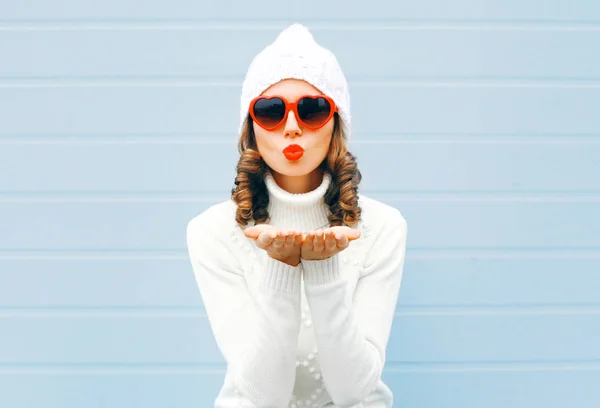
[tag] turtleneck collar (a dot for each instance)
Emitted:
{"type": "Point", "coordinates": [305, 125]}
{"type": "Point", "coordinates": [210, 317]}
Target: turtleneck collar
{"type": "Point", "coordinates": [304, 212]}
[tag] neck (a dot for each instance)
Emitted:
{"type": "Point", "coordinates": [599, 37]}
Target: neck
{"type": "Point", "coordinates": [305, 211]}
{"type": "Point", "coordinates": [299, 184]}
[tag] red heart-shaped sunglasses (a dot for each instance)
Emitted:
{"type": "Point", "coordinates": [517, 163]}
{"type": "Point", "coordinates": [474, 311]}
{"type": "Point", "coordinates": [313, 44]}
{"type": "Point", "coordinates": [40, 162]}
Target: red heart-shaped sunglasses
{"type": "Point", "coordinates": [312, 111]}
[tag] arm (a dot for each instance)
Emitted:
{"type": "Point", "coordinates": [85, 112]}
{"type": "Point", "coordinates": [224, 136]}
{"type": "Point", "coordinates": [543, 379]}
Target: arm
{"type": "Point", "coordinates": [257, 335]}
{"type": "Point", "coordinates": [352, 338]}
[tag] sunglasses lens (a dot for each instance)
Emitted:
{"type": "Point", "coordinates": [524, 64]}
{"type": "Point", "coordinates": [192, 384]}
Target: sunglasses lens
{"type": "Point", "coordinates": [314, 111]}
{"type": "Point", "coordinates": [269, 112]}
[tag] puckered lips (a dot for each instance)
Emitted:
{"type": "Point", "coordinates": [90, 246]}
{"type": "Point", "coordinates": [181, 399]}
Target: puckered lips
{"type": "Point", "coordinates": [293, 152]}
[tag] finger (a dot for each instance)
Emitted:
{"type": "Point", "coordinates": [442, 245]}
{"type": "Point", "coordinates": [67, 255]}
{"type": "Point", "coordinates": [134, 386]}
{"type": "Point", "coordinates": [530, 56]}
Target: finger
{"type": "Point", "coordinates": [279, 240]}
{"type": "Point", "coordinates": [255, 230]}
{"type": "Point", "coordinates": [290, 238]}
{"type": "Point", "coordinates": [265, 238]}
{"type": "Point", "coordinates": [251, 232]}
{"type": "Point", "coordinates": [330, 241]}
{"type": "Point", "coordinates": [308, 243]}
{"type": "Point", "coordinates": [351, 233]}
{"type": "Point", "coordinates": [342, 242]}
{"type": "Point", "coordinates": [318, 241]}
{"type": "Point", "coordinates": [298, 239]}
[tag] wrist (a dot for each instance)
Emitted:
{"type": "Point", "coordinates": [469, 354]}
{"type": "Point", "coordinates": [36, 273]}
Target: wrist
{"type": "Point", "coordinates": [281, 277]}
{"type": "Point", "coordinates": [290, 260]}
{"type": "Point", "coordinates": [321, 271]}
{"type": "Point", "coordinates": [322, 258]}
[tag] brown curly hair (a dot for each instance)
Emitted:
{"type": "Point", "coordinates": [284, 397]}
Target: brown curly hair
{"type": "Point", "coordinates": [250, 191]}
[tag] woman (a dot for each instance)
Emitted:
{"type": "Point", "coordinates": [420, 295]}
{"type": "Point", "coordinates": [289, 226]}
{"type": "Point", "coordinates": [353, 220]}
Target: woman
{"type": "Point", "coordinates": [299, 274]}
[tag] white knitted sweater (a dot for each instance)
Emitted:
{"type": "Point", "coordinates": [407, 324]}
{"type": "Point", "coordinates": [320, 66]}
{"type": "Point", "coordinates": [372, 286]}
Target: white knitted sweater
{"type": "Point", "coordinates": [314, 335]}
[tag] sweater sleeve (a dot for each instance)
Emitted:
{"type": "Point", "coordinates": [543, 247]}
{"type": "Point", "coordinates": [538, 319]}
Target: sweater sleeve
{"type": "Point", "coordinates": [352, 335]}
{"type": "Point", "coordinates": [257, 334]}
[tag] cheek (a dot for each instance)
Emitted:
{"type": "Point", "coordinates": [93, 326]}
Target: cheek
{"type": "Point", "coordinates": [264, 141]}
{"type": "Point", "coordinates": [323, 137]}
{"type": "Point", "coordinates": [266, 144]}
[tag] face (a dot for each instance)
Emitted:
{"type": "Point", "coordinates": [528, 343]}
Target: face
{"type": "Point", "coordinates": [274, 145]}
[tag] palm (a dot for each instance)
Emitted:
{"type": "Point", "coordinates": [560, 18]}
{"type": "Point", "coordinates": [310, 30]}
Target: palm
{"type": "Point", "coordinates": [280, 244]}
{"type": "Point", "coordinates": [319, 244]}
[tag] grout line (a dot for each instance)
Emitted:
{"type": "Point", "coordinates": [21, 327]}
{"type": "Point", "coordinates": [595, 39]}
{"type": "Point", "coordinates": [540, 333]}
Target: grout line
{"type": "Point", "coordinates": [174, 24]}
{"type": "Point", "coordinates": [357, 79]}
{"type": "Point", "coordinates": [225, 140]}
{"type": "Point", "coordinates": [474, 254]}
{"type": "Point", "coordinates": [544, 366]}
{"type": "Point", "coordinates": [200, 313]}
{"type": "Point", "coordinates": [217, 83]}
{"type": "Point", "coordinates": [209, 197]}
{"type": "Point", "coordinates": [219, 368]}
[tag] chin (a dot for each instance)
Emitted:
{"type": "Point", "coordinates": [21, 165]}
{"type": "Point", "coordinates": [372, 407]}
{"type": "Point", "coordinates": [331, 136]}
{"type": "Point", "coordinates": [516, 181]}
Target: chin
{"type": "Point", "coordinates": [297, 168]}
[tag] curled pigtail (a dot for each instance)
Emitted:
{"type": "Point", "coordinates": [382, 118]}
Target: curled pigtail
{"type": "Point", "coordinates": [250, 192]}
{"type": "Point", "coordinates": [342, 195]}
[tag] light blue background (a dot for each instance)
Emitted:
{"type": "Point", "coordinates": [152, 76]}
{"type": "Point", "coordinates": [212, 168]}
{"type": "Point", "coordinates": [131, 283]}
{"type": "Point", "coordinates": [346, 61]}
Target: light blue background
{"type": "Point", "coordinates": [479, 120]}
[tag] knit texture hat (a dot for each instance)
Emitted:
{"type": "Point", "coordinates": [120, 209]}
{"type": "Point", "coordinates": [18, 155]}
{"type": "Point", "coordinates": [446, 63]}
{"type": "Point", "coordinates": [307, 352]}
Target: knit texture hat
{"type": "Point", "coordinates": [295, 54]}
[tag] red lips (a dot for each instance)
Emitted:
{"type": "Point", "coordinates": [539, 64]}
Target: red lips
{"type": "Point", "coordinates": [293, 152]}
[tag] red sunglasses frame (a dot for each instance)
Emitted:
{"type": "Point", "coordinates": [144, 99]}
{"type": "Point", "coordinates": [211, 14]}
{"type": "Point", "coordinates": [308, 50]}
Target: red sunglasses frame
{"type": "Point", "coordinates": [292, 106]}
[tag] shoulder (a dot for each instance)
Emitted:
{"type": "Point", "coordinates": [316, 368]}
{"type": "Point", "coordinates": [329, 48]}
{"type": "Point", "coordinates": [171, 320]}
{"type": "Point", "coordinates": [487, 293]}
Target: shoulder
{"type": "Point", "coordinates": [214, 221]}
{"type": "Point", "coordinates": [377, 215]}
{"type": "Point", "coordinates": [214, 238]}
{"type": "Point", "coordinates": [385, 234]}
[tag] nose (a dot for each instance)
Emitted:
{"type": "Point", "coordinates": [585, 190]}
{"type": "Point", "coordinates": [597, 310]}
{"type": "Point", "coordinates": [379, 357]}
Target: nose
{"type": "Point", "coordinates": [292, 128]}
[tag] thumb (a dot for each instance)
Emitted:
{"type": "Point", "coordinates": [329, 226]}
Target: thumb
{"type": "Point", "coordinates": [351, 233]}
{"type": "Point", "coordinates": [255, 230]}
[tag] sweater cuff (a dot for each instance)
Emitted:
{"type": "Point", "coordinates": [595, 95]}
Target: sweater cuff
{"type": "Point", "coordinates": [282, 277]}
{"type": "Point", "coordinates": [318, 272]}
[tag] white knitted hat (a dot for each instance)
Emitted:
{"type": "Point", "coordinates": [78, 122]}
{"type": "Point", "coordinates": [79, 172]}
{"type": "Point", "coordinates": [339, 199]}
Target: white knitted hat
{"type": "Point", "coordinates": [295, 54]}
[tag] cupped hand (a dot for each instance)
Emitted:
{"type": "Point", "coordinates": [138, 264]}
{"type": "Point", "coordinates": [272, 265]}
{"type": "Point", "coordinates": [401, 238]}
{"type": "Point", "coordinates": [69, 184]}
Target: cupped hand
{"type": "Point", "coordinates": [281, 244]}
{"type": "Point", "coordinates": [322, 244]}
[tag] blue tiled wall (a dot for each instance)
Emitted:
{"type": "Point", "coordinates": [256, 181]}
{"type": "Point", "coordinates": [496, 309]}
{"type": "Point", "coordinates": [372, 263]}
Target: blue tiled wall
{"type": "Point", "coordinates": [479, 120]}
